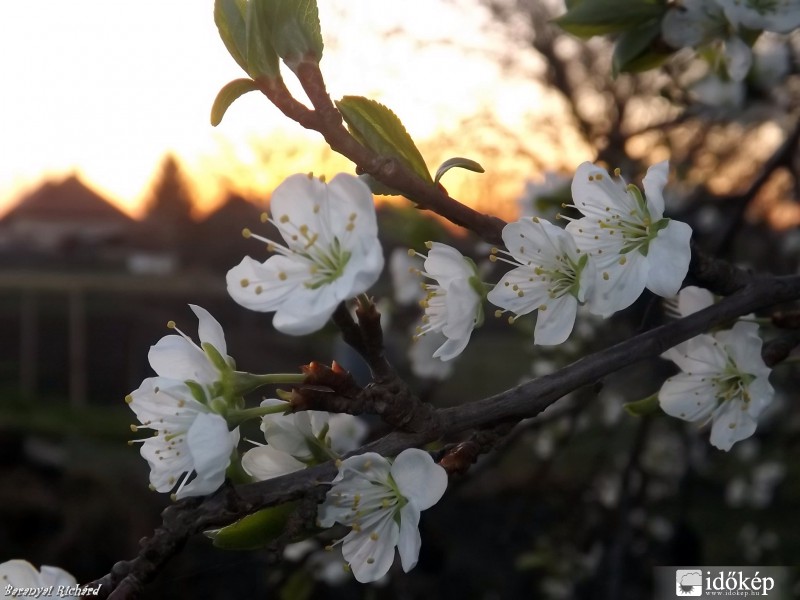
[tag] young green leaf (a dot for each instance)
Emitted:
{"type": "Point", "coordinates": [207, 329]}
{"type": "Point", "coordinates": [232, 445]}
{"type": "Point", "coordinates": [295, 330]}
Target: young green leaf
{"type": "Point", "coordinates": [380, 130]}
{"type": "Point", "coordinates": [254, 531]}
{"type": "Point", "coordinates": [599, 17]}
{"type": "Point", "coordinates": [457, 161]}
{"type": "Point", "coordinates": [229, 17]}
{"type": "Point", "coordinates": [294, 29]}
{"type": "Point", "coordinates": [633, 51]}
{"type": "Point", "coordinates": [262, 60]}
{"type": "Point", "coordinates": [643, 407]}
{"type": "Point", "coordinates": [227, 95]}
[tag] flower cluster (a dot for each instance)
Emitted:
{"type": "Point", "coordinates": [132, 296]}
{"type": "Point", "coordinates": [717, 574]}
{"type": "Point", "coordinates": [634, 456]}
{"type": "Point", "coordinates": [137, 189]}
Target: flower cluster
{"type": "Point", "coordinates": [192, 445]}
{"type": "Point", "coordinates": [622, 245]}
{"type": "Point", "coordinates": [723, 24]}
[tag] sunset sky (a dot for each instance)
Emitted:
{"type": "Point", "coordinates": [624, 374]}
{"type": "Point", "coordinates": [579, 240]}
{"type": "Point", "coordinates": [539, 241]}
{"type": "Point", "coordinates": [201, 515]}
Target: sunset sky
{"type": "Point", "coordinates": [107, 88]}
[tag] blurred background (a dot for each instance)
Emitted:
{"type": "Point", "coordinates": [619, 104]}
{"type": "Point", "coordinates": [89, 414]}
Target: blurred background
{"type": "Point", "coordinates": [121, 204]}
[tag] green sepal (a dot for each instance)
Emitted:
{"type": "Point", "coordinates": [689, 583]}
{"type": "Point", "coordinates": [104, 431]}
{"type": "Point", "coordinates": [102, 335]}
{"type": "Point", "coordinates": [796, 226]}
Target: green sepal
{"type": "Point", "coordinates": [633, 50]}
{"type": "Point", "coordinates": [379, 129]}
{"type": "Point", "coordinates": [262, 60]}
{"type": "Point", "coordinates": [294, 29]}
{"type": "Point", "coordinates": [643, 407]}
{"type": "Point", "coordinates": [228, 95]}
{"type": "Point", "coordinates": [215, 358]}
{"type": "Point", "coordinates": [198, 391]}
{"type": "Point", "coordinates": [253, 531]}
{"type": "Point", "coordinates": [599, 17]}
{"type": "Point", "coordinates": [229, 15]}
{"type": "Point", "coordinates": [457, 161]}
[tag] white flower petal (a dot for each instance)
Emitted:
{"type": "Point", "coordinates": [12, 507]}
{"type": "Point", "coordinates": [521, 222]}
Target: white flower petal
{"type": "Point", "coordinates": [653, 183]}
{"type": "Point", "coordinates": [178, 358]}
{"type": "Point", "coordinates": [687, 397]}
{"type": "Point", "coordinates": [594, 187]}
{"type": "Point", "coordinates": [209, 330]}
{"type": "Point", "coordinates": [409, 541]}
{"type": "Point", "coordinates": [371, 559]}
{"type": "Point", "coordinates": [210, 444]}
{"type": "Point", "coordinates": [669, 256]}
{"type": "Point", "coordinates": [731, 425]}
{"type": "Point", "coordinates": [692, 299]}
{"type": "Point", "coordinates": [692, 23]}
{"type": "Point", "coordinates": [266, 462]}
{"type": "Point", "coordinates": [420, 480]}
{"type": "Point", "coordinates": [444, 263]}
{"type": "Point", "coordinates": [738, 58]}
{"type": "Point", "coordinates": [617, 286]}
{"type": "Point", "coordinates": [554, 324]}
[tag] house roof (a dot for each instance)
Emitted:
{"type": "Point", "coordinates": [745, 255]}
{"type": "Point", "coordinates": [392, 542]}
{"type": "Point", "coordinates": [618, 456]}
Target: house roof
{"type": "Point", "coordinates": [67, 200]}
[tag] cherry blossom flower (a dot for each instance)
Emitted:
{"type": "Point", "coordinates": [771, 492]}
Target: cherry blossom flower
{"type": "Point", "coordinates": [382, 500]}
{"type": "Point", "coordinates": [551, 276]}
{"type": "Point", "coordinates": [779, 16]}
{"type": "Point", "coordinates": [191, 448]}
{"type": "Point", "coordinates": [696, 23]}
{"type": "Point", "coordinates": [300, 439]}
{"type": "Point", "coordinates": [453, 305]}
{"type": "Point", "coordinates": [420, 357]}
{"type": "Point", "coordinates": [22, 576]}
{"type": "Point", "coordinates": [626, 234]}
{"type": "Point", "coordinates": [723, 380]}
{"type": "Point", "coordinates": [331, 253]}
{"type": "Point", "coordinates": [689, 300]}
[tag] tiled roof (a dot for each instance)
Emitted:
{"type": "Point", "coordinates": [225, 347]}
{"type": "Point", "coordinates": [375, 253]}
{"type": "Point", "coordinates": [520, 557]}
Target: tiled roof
{"type": "Point", "coordinates": [66, 200]}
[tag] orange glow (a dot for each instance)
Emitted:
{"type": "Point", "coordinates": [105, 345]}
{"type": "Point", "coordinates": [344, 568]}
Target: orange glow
{"type": "Point", "coordinates": [107, 90]}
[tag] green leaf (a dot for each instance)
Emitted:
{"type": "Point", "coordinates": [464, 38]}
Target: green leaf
{"type": "Point", "coordinates": [262, 60]}
{"type": "Point", "coordinates": [229, 17]}
{"type": "Point", "coordinates": [380, 130]}
{"type": "Point", "coordinates": [253, 531]}
{"type": "Point", "coordinates": [599, 17]}
{"type": "Point", "coordinates": [227, 95]}
{"type": "Point", "coordinates": [294, 29]}
{"type": "Point", "coordinates": [457, 161]}
{"type": "Point", "coordinates": [633, 51]}
{"type": "Point", "coordinates": [643, 407]}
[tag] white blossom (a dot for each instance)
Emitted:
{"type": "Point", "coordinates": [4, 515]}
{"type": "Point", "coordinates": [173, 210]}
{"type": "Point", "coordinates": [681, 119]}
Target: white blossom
{"type": "Point", "coordinates": [551, 276]}
{"type": "Point", "coordinates": [420, 357]}
{"type": "Point", "coordinates": [453, 305]}
{"type": "Point", "coordinates": [626, 234]}
{"type": "Point", "coordinates": [405, 277]}
{"type": "Point", "coordinates": [331, 253]}
{"type": "Point", "coordinates": [23, 576]}
{"type": "Point", "coordinates": [779, 16]}
{"type": "Point", "coordinates": [535, 198]}
{"type": "Point", "coordinates": [300, 439]}
{"type": "Point", "coordinates": [689, 300]}
{"type": "Point", "coordinates": [191, 448]}
{"type": "Point", "coordinates": [381, 500]}
{"type": "Point", "coordinates": [696, 23]}
{"type": "Point", "coordinates": [723, 380]}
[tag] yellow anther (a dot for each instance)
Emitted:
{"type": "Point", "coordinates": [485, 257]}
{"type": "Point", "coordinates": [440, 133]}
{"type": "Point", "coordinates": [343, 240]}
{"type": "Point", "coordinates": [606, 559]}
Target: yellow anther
{"type": "Point", "coordinates": [284, 219]}
{"type": "Point", "coordinates": [543, 307]}
{"type": "Point", "coordinates": [134, 428]}
{"type": "Point", "coordinates": [412, 252]}
{"type": "Point", "coordinates": [429, 245]}
{"type": "Point", "coordinates": [244, 282]}
{"type": "Point", "coordinates": [282, 276]}
{"type": "Point", "coordinates": [246, 233]}
{"type": "Point", "coordinates": [258, 290]}
{"type": "Point", "coordinates": [264, 217]}
{"type": "Point", "coordinates": [622, 260]}
{"type": "Point", "coordinates": [128, 399]}
{"type": "Point", "coordinates": [605, 276]}
{"type": "Point", "coordinates": [171, 325]}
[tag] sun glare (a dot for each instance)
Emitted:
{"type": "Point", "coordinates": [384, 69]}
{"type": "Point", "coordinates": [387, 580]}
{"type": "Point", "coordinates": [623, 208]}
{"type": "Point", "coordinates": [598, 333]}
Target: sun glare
{"type": "Point", "coordinates": [105, 90]}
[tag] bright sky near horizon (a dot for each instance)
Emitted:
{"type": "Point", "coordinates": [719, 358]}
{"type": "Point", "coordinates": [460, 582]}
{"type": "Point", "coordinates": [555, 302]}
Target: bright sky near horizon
{"type": "Point", "coordinates": [107, 88]}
